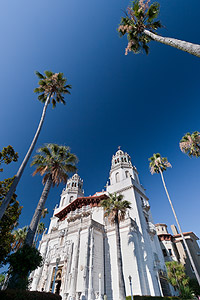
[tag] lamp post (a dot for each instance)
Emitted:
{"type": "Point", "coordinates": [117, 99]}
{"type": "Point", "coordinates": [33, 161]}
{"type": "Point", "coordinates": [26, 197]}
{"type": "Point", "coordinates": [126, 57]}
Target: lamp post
{"type": "Point", "coordinates": [56, 269]}
{"type": "Point", "coordinates": [130, 280]}
{"type": "Point", "coordinates": [100, 296]}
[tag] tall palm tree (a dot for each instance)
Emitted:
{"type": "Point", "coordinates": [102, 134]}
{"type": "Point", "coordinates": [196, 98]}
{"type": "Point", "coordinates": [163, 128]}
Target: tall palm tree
{"type": "Point", "coordinates": [140, 24]}
{"type": "Point", "coordinates": [115, 209]}
{"type": "Point", "coordinates": [190, 144]}
{"type": "Point", "coordinates": [19, 238]}
{"type": "Point", "coordinates": [159, 164]}
{"type": "Point", "coordinates": [54, 162]}
{"type": "Point", "coordinates": [51, 88]}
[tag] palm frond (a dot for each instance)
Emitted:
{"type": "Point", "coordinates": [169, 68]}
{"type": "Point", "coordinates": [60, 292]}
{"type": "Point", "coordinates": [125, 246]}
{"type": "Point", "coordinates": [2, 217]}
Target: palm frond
{"type": "Point", "coordinates": [39, 75]}
{"type": "Point", "coordinates": [55, 161]}
{"type": "Point", "coordinates": [54, 85]}
{"type": "Point", "coordinates": [115, 207]}
{"type": "Point", "coordinates": [158, 164]}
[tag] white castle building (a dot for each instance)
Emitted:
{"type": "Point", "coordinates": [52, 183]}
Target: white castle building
{"type": "Point", "coordinates": [80, 246]}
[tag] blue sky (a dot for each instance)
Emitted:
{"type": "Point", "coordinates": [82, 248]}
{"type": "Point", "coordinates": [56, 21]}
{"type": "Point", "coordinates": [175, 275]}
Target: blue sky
{"type": "Point", "coordinates": [143, 103]}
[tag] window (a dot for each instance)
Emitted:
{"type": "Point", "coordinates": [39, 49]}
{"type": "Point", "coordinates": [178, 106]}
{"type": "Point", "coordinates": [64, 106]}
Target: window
{"type": "Point", "coordinates": [63, 201]}
{"type": "Point", "coordinates": [71, 199]}
{"type": "Point", "coordinates": [136, 179]}
{"type": "Point", "coordinates": [170, 252]}
{"type": "Point", "coordinates": [164, 252]}
{"type": "Point", "coordinates": [117, 177]}
{"type": "Point", "coordinates": [122, 159]}
{"type": "Point", "coordinates": [127, 174]}
{"type": "Point", "coordinates": [142, 200]}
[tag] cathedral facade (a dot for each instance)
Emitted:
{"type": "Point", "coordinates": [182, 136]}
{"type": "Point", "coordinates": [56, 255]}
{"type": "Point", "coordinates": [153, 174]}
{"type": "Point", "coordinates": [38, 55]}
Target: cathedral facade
{"type": "Point", "coordinates": [79, 249]}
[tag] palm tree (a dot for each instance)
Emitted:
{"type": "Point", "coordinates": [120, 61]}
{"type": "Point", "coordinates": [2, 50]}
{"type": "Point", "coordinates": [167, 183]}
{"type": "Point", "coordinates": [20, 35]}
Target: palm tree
{"type": "Point", "coordinates": [40, 230]}
{"type": "Point", "coordinates": [51, 89]}
{"type": "Point", "coordinates": [115, 209]}
{"type": "Point", "coordinates": [190, 144]}
{"type": "Point", "coordinates": [54, 162]}
{"type": "Point", "coordinates": [159, 164]}
{"type": "Point", "coordinates": [19, 238]}
{"type": "Point", "coordinates": [140, 24]}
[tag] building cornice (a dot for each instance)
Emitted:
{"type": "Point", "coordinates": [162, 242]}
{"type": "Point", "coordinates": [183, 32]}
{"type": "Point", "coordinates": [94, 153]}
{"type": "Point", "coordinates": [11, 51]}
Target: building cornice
{"type": "Point", "coordinates": [92, 201]}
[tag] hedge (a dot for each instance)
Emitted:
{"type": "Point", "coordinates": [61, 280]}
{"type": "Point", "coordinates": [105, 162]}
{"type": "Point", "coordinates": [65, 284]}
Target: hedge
{"type": "Point", "coordinates": [27, 295]}
{"type": "Point", "coordinates": [152, 298]}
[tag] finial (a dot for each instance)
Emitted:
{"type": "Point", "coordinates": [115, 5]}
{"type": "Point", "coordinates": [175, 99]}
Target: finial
{"type": "Point", "coordinates": [119, 147]}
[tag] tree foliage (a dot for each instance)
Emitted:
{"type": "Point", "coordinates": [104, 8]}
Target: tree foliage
{"type": "Point", "coordinates": [25, 260]}
{"type": "Point", "coordinates": [53, 84]}
{"type": "Point", "coordinates": [140, 15]}
{"type": "Point", "coordinates": [19, 237]}
{"type": "Point", "coordinates": [194, 286]}
{"type": "Point", "coordinates": [7, 155]}
{"type": "Point", "coordinates": [2, 278]}
{"type": "Point", "coordinates": [11, 216]}
{"type": "Point", "coordinates": [158, 163]}
{"type": "Point", "coordinates": [56, 161]}
{"type": "Point", "coordinates": [115, 207]}
{"type": "Point", "coordinates": [190, 144]}
{"type": "Point", "coordinates": [176, 274]}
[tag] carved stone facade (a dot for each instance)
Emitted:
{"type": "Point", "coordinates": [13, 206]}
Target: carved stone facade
{"type": "Point", "coordinates": [80, 243]}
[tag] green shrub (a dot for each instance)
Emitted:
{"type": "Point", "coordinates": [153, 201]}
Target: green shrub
{"type": "Point", "coordinates": [27, 295]}
{"type": "Point", "coordinates": [151, 298]}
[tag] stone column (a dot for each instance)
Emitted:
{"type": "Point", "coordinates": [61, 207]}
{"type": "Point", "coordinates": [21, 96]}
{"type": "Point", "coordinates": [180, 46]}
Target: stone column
{"type": "Point", "coordinates": [68, 268]}
{"type": "Point", "coordinates": [85, 275]}
{"type": "Point", "coordinates": [90, 285]}
{"type": "Point", "coordinates": [72, 293]}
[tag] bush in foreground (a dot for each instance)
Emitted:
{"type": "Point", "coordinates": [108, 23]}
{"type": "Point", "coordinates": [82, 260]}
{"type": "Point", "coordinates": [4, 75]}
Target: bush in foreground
{"type": "Point", "coordinates": [152, 298]}
{"type": "Point", "coordinates": [27, 295]}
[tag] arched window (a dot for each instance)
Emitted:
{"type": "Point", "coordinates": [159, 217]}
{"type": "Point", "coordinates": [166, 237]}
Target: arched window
{"type": "Point", "coordinates": [127, 174]}
{"type": "Point", "coordinates": [72, 184]}
{"type": "Point", "coordinates": [125, 159]}
{"type": "Point", "coordinates": [117, 177]}
{"type": "Point", "coordinates": [71, 199]}
{"type": "Point", "coordinates": [63, 201]}
{"type": "Point", "coordinates": [136, 178]}
{"type": "Point", "coordinates": [122, 159]}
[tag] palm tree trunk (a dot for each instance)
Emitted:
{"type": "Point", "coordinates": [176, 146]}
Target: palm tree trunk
{"type": "Point", "coordinates": [20, 171]}
{"type": "Point", "coordinates": [37, 215]}
{"type": "Point", "coordinates": [179, 227]}
{"type": "Point", "coordinates": [122, 289]}
{"type": "Point", "coordinates": [191, 48]}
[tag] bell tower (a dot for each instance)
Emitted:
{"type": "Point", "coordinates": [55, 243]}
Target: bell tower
{"type": "Point", "coordinates": [73, 190]}
{"type": "Point", "coordinates": [122, 168]}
